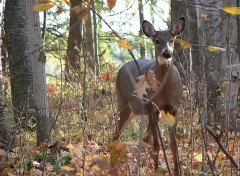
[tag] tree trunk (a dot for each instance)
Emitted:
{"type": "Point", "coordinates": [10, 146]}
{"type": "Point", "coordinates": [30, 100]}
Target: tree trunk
{"type": "Point", "coordinates": [5, 136]}
{"type": "Point", "coordinates": [27, 64]}
{"type": "Point", "coordinates": [74, 41]}
{"type": "Point", "coordinates": [90, 42]}
{"type": "Point", "coordinates": [141, 18]}
{"type": "Point", "coordinates": [39, 74]}
{"type": "Point", "coordinates": [219, 30]}
{"type": "Point", "coordinates": [20, 59]}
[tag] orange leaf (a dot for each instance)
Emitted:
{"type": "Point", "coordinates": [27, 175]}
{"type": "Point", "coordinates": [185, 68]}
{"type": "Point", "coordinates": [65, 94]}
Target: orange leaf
{"type": "Point", "coordinates": [106, 76]}
{"type": "Point", "coordinates": [111, 3]}
{"type": "Point", "coordinates": [151, 80]}
{"type": "Point", "coordinates": [124, 44]}
{"type": "Point", "coordinates": [51, 90]}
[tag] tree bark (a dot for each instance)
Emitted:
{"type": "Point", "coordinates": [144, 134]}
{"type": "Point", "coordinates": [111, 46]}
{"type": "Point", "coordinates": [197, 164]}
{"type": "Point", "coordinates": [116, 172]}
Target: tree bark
{"type": "Point", "coordinates": [141, 18]}
{"type": "Point", "coordinates": [39, 74]}
{"type": "Point", "coordinates": [5, 136]}
{"type": "Point", "coordinates": [219, 30]}
{"type": "Point", "coordinates": [74, 41]}
{"type": "Point", "coordinates": [90, 42]}
{"type": "Point", "coordinates": [19, 58]}
{"type": "Point", "coordinates": [27, 64]}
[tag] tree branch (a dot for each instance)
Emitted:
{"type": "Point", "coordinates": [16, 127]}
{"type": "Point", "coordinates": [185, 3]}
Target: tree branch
{"type": "Point", "coordinates": [229, 156]}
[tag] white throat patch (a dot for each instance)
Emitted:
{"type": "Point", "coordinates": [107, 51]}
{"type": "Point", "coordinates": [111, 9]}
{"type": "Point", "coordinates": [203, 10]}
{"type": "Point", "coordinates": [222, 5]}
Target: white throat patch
{"type": "Point", "coordinates": [164, 61]}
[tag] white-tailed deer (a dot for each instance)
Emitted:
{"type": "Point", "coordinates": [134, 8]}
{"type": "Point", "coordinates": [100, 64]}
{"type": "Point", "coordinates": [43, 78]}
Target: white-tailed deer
{"type": "Point", "coordinates": [167, 97]}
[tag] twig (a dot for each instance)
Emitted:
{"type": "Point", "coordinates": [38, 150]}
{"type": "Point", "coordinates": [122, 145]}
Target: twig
{"type": "Point", "coordinates": [228, 155]}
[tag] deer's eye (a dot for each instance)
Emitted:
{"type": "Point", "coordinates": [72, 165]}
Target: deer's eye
{"type": "Point", "coordinates": [171, 41]}
{"type": "Point", "coordinates": [157, 42]}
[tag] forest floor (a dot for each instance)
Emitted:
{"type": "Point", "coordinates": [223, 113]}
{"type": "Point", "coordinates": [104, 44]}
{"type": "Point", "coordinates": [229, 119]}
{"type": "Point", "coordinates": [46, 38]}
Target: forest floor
{"type": "Point", "coordinates": [82, 147]}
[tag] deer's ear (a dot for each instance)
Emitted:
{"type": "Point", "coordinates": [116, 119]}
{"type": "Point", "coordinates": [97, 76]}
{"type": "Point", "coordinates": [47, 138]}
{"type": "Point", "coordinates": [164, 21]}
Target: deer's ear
{"type": "Point", "coordinates": [148, 28]}
{"type": "Point", "coordinates": [178, 27]}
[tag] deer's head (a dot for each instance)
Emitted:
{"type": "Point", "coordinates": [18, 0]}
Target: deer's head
{"type": "Point", "coordinates": [164, 40]}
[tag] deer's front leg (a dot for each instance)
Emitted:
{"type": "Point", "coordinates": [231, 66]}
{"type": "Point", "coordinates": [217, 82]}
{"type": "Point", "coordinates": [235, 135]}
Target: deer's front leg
{"type": "Point", "coordinates": [174, 149]}
{"type": "Point", "coordinates": [152, 136]}
{"type": "Point", "coordinates": [124, 117]}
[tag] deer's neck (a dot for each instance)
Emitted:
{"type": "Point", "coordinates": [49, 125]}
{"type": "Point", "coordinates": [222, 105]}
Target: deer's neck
{"type": "Point", "coordinates": [163, 71]}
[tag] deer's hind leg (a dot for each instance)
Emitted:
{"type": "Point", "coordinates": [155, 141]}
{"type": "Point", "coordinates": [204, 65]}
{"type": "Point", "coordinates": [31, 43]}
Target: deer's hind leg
{"type": "Point", "coordinates": [124, 112]}
{"type": "Point", "coordinates": [153, 138]}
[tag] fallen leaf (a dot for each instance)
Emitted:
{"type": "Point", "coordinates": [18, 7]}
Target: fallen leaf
{"type": "Point", "coordinates": [141, 86]}
{"type": "Point", "coordinates": [146, 145]}
{"type": "Point", "coordinates": [124, 44]}
{"type": "Point", "coordinates": [102, 162]}
{"type": "Point", "coordinates": [96, 169]}
{"type": "Point", "coordinates": [183, 43]}
{"type": "Point", "coordinates": [215, 48]}
{"type": "Point", "coordinates": [111, 3]}
{"type": "Point", "coordinates": [118, 153]}
{"type": "Point", "coordinates": [167, 118]}
{"type": "Point", "coordinates": [75, 150]}
{"type": "Point", "coordinates": [2, 153]}
{"type": "Point", "coordinates": [68, 170]}
{"type": "Point", "coordinates": [232, 10]}
{"type": "Point", "coordinates": [198, 157]}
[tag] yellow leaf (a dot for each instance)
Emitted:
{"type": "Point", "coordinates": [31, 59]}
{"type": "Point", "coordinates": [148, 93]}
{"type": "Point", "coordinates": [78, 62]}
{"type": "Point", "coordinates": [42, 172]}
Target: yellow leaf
{"type": "Point", "coordinates": [75, 150]}
{"type": "Point", "coordinates": [111, 3]}
{"type": "Point", "coordinates": [167, 118]}
{"type": "Point", "coordinates": [67, 2]}
{"type": "Point", "coordinates": [198, 157]}
{"type": "Point", "coordinates": [183, 43]}
{"type": "Point", "coordinates": [124, 44]}
{"type": "Point", "coordinates": [204, 16]}
{"type": "Point", "coordinates": [232, 10]}
{"type": "Point", "coordinates": [43, 6]}
{"type": "Point", "coordinates": [215, 48]}
{"type": "Point", "coordinates": [102, 162]}
{"type": "Point", "coordinates": [141, 86]}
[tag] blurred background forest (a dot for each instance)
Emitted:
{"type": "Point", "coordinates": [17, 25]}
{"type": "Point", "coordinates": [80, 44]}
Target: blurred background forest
{"type": "Point", "coordinates": [59, 60]}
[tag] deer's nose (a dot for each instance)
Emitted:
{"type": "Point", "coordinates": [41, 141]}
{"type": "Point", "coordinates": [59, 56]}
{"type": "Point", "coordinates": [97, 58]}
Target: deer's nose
{"type": "Point", "coordinates": [166, 54]}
